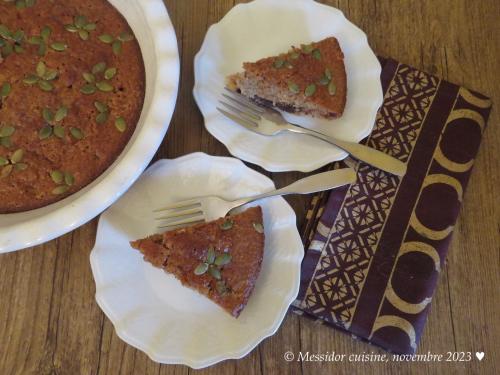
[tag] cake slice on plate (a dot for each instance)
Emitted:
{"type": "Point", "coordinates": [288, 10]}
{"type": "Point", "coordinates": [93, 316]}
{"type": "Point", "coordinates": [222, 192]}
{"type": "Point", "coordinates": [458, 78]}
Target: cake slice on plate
{"type": "Point", "coordinates": [309, 80]}
{"type": "Point", "coordinates": [220, 259]}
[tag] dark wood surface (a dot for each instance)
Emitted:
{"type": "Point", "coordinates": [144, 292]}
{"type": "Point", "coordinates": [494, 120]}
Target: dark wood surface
{"type": "Point", "coordinates": [51, 324]}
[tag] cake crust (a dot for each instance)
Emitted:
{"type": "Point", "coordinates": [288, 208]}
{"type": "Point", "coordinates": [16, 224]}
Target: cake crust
{"type": "Point", "coordinates": [180, 252]}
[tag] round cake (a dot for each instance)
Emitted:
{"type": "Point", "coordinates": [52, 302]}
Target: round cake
{"type": "Point", "coordinates": [72, 87]}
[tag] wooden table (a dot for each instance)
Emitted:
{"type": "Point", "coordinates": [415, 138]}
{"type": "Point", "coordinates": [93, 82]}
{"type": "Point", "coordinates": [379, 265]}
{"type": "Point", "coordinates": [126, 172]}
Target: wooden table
{"type": "Point", "coordinates": [51, 324]}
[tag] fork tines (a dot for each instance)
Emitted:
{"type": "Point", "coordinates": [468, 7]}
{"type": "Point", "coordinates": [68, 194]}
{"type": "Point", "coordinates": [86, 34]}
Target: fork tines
{"type": "Point", "coordinates": [185, 212]}
{"type": "Point", "coordinates": [239, 98]}
{"type": "Point", "coordinates": [240, 109]}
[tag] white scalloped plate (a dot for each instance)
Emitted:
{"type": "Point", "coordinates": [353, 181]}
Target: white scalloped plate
{"type": "Point", "coordinates": [267, 27]}
{"type": "Point", "coordinates": [150, 309]}
{"type": "Point", "coordinates": [156, 36]}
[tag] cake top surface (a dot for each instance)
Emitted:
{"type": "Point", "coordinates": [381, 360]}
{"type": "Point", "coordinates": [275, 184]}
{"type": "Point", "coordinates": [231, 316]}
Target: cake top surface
{"type": "Point", "coordinates": [72, 89]}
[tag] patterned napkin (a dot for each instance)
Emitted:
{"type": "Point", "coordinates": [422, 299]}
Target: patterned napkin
{"type": "Point", "coordinates": [375, 248]}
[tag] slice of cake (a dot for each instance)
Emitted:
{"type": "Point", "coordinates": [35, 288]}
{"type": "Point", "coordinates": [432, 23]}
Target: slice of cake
{"type": "Point", "coordinates": [220, 259]}
{"type": "Point", "coordinates": [309, 80]}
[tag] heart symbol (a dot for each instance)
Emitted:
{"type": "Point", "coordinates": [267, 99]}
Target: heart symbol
{"type": "Point", "coordinates": [480, 355]}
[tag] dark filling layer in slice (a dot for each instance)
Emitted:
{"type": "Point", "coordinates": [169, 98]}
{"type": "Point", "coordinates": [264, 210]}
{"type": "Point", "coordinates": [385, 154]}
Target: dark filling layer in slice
{"type": "Point", "coordinates": [286, 107]}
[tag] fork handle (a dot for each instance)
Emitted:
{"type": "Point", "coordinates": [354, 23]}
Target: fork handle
{"type": "Point", "coordinates": [361, 152]}
{"type": "Point", "coordinates": [312, 184]}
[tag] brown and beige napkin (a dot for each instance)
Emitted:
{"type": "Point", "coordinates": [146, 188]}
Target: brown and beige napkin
{"type": "Point", "coordinates": [374, 249]}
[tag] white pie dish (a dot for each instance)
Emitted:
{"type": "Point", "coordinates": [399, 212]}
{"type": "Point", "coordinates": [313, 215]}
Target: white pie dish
{"type": "Point", "coordinates": [156, 36]}
{"type": "Point", "coordinates": [150, 309]}
{"type": "Point", "coordinates": [264, 28]}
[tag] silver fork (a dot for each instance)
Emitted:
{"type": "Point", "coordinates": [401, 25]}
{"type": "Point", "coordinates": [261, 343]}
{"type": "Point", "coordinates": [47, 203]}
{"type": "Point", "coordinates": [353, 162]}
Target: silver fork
{"type": "Point", "coordinates": [212, 207]}
{"type": "Point", "coordinates": [268, 121]}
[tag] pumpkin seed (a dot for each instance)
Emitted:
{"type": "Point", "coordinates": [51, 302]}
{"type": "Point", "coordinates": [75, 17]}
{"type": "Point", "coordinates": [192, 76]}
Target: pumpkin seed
{"type": "Point", "coordinates": [31, 79]}
{"type": "Point", "coordinates": [294, 55]}
{"type": "Point", "coordinates": [17, 156]}
{"type": "Point", "coordinates": [50, 75]}
{"type": "Point", "coordinates": [307, 48]}
{"type": "Point", "coordinates": [90, 26]}
{"type": "Point", "coordinates": [59, 131]}
{"type": "Point", "coordinates": [60, 190]}
{"type": "Point", "coordinates": [45, 33]}
{"type": "Point", "coordinates": [6, 170]}
{"type": "Point", "coordinates": [106, 38]}
{"type": "Point", "coordinates": [100, 106]}
{"type": "Point", "coordinates": [88, 89]}
{"type": "Point", "coordinates": [42, 49]}
{"type": "Point", "coordinates": [76, 133]}
{"type": "Point", "coordinates": [293, 87]}
{"type": "Point", "coordinates": [125, 37]}
{"type": "Point", "coordinates": [259, 228]}
{"type": "Point", "coordinates": [99, 67]}
{"type": "Point", "coordinates": [58, 46]}
{"type": "Point", "coordinates": [310, 90]}
{"type": "Point", "coordinates": [57, 176]}
{"type": "Point", "coordinates": [45, 86]}
{"type": "Point", "coordinates": [278, 63]}
{"type": "Point", "coordinates": [80, 21]}
{"type": "Point", "coordinates": [102, 117]}
{"type": "Point", "coordinates": [223, 259]}
{"type": "Point", "coordinates": [47, 115]}
{"type": "Point", "coordinates": [20, 166]}
{"type": "Point", "coordinates": [71, 28]}
{"type": "Point", "coordinates": [4, 32]}
{"type": "Point", "coordinates": [18, 49]}
{"type": "Point", "coordinates": [61, 114]}
{"type": "Point", "coordinates": [69, 180]}
{"type": "Point", "coordinates": [328, 73]}
{"type": "Point", "coordinates": [7, 50]}
{"type": "Point", "coordinates": [324, 80]}
{"type": "Point", "coordinates": [83, 34]}
{"type": "Point", "coordinates": [45, 132]}
{"type": "Point", "coordinates": [104, 86]}
{"type": "Point", "coordinates": [110, 73]}
{"type": "Point", "coordinates": [5, 142]}
{"type": "Point", "coordinates": [210, 255]}
{"type": "Point", "coordinates": [35, 40]}
{"type": "Point", "coordinates": [201, 269]}
{"type": "Point", "coordinates": [5, 90]}
{"type": "Point", "coordinates": [18, 36]}
{"type": "Point", "coordinates": [89, 77]}
{"type": "Point", "coordinates": [221, 287]}
{"type": "Point", "coordinates": [3, 161]}
{"type": "Point", "coordinates": [117, 47]}
{"type": "Point", "coordinates": [6, 131]}
{"type": "Point", "coordinates": [41, 68]}
{"type": "Point", "coordinates": [227, 224]}
{"type": "Point", "coordinates": [214, 272]}
{"type": "Point", "coordinates": [120, 124]}
{"type": "Point", "coordinates": [332, 88]}
{"type": "Point", "coordinates": [316, 54]}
